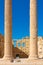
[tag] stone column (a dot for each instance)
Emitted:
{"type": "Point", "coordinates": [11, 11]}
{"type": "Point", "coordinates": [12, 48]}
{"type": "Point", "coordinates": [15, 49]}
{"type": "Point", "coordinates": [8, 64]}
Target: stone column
{"type": "Point", "coordinates": [42, 47]}
{"type": "Point", "coordinates": [33, 30]}
{"type": "Point", "coordinates": [8, 30]}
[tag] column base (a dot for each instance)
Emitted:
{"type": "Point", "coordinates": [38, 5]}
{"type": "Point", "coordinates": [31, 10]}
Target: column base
{"type": "Point", "coordinates": [9, 58]}
{"type": "Point", "coordinates": [33, 57]}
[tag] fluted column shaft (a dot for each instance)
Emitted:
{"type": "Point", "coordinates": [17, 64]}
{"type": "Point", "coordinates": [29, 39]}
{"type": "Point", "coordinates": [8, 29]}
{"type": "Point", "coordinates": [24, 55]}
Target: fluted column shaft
{"type": "Point", "coordinates": [8, 30]}
{"type": "Point", "coordinates": [33, 30]}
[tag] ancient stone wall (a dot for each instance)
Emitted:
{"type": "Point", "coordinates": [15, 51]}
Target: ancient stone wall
{"type": "Point", "coordinates": [22, 50]}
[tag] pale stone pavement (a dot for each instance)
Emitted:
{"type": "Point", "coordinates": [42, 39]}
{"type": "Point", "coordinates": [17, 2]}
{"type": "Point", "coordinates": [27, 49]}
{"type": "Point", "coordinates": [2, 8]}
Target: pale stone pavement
{"type": "Point", "coordinates": [22, 62]}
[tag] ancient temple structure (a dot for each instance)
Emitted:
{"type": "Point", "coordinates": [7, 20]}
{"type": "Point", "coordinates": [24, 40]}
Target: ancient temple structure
{"type": "Point", "coordinates": [8, 30]}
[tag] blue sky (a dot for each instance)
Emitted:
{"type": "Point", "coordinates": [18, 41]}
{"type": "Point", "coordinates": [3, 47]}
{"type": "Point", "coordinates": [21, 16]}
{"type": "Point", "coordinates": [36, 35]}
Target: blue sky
{"type": "Point", "coordinates": [20, 18]}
